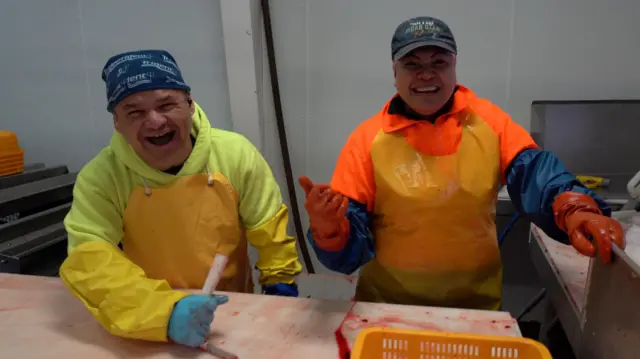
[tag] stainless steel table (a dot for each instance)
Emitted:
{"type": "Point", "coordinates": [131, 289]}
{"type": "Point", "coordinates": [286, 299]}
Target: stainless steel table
{"type": "Point", "coordinates": [595, 303]}
{"type": "Point", "coordinates": [563, 272]}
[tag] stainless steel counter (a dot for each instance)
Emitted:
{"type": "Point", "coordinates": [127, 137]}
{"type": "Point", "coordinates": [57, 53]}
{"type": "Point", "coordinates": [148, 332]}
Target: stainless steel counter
{"type": "Point", "coordinates": [611, 319]}
{"type": "Point", "coordinates": [595, 303]}
{"type": "Point", "coordinates": [563, 272]}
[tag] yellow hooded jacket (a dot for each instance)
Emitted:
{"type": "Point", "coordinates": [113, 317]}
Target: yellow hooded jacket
{"type": "Point", "coordinates": [116, 290]}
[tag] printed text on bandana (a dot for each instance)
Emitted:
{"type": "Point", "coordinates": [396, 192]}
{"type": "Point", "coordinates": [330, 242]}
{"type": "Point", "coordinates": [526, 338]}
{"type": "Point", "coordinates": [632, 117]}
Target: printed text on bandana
{"type": "Point", "coordinates": [122, 60]}
{"type": "Point", "coordinates": [158, 66]}
{"type": "Point", "coordinates": [131, 82]}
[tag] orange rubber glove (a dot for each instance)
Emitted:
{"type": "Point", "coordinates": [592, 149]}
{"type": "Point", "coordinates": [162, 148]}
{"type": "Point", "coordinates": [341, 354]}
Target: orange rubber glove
{"type": "Point", "coordinates": [327, 210]}
{"type": "Point", "coordinates": [580, 217]}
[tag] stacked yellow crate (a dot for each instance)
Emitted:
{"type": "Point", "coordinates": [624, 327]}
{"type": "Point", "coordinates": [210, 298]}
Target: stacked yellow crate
{"type": "Point", "coordinates": [11, 155]}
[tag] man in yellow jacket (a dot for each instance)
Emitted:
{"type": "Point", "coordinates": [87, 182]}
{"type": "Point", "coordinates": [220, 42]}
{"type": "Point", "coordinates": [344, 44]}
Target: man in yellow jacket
{"type": "Point", "coordinates": [153, 208]}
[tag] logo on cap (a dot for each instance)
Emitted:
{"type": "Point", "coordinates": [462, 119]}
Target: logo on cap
{"type": "Point", "coordinates": [419, 28]}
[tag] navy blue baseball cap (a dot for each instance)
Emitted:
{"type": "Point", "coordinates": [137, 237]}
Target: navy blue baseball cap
{"type": "Point", "coordinates": [420, 32]}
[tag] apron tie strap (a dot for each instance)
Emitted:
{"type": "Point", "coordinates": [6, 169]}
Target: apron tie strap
{"type": "Point", "coordinates": [209, 176]}
{"type": "Point", "coordinates": [147, 190]}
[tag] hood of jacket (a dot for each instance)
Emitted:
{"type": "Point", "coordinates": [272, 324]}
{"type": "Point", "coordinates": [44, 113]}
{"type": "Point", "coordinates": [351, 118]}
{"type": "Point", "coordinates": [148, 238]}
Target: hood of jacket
{"type": "Point", "coordinates": [196, 163]}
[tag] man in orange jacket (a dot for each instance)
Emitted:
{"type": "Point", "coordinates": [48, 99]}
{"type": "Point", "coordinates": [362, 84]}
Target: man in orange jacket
{"type": "Point", "coordinates": [412, 199]}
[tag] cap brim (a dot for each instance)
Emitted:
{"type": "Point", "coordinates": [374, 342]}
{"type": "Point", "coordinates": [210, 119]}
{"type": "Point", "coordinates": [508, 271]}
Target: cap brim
{"type": "Point", "coordinates": [416, 45]}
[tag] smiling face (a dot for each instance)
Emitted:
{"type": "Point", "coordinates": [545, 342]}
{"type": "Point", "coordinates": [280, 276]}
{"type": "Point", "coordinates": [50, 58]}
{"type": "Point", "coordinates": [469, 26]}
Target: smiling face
{"type": "Point", "coordinates": [426, 79]}
{"type": "Point", "coordinates": [157, 125]}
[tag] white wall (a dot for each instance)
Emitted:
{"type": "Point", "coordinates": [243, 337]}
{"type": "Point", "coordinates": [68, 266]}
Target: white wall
{"type": "Point", "coordinates": [335, 68]}
{"type": "Point", "coordinates": [573, 50]}
{"type": "Point", "coordinates": [52, 95]}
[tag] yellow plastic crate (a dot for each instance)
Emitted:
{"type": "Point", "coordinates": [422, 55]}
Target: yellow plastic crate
{"type": "Point", "coordinates": [11, 163]}
{"type": "Point", "coordinates": [8, 141]}
{"type": "Point", "coordinates": [391, 343]}
{"type": "Point", "coordinates": [11, 155]}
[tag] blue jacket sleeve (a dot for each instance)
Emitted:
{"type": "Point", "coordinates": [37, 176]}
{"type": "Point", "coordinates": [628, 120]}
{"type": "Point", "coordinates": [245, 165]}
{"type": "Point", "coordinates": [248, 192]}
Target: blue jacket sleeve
{"type": "Point", "coordinates": [534, 179]}
{"type": "Point", "coordinates": [359, 248]}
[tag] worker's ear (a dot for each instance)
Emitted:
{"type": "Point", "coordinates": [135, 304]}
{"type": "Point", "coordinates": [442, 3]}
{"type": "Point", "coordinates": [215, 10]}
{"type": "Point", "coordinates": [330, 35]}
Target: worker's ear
{"type": "Point", "coordinates": [192, 107]}
{"type": "Point", "coordinates": [116, 123]}
{"type": "Point", "coordinates": [394, 75]}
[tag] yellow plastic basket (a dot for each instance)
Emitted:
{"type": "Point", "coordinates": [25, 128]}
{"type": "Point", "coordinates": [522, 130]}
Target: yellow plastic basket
{"type": "Point", "coordinates": [11, 155]}
{"type": "Point", "coordinates": [390, 343]}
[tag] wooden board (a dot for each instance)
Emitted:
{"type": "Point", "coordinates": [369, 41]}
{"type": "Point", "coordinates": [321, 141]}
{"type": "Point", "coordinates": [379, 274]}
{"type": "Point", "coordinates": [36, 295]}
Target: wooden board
{"type": "Point", "coordinates": [40, 319]}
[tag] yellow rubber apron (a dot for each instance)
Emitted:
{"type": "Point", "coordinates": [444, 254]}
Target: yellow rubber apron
{"type": "Point", "coordinates": [174, 232]}
{"type": "Point", "coordinates": [434, 227]}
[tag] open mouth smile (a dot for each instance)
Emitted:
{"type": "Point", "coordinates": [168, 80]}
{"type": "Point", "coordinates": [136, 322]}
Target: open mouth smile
{"type": "Point", "coordinates": [426, 90]}
{"type": "Point", "coordinates": [162, 139]}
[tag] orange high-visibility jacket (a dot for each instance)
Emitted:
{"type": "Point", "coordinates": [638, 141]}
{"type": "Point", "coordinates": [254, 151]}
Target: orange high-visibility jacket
{"type": "Point", "coordinates": [422, 202]}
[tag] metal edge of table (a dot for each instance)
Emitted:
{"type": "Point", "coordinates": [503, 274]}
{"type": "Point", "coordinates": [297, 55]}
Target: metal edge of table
{"type": "Point", "coordinates": [570, 316]}
{"type": "Point", "coordinates": [610, 320]}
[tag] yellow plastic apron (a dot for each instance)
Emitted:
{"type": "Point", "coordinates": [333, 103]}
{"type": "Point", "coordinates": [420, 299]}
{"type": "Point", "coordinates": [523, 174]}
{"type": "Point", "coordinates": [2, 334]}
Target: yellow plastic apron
{"type": "Point", "coordinates": [434, 227]}
{"type": "Point", "coordinates": [174, 232]}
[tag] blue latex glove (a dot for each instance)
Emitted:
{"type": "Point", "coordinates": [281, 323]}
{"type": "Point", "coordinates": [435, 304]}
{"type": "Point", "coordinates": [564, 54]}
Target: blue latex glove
{"type": "Point", "coordinates": [281, 289]}
{"type": "Point", "coordinates": [191, 317]}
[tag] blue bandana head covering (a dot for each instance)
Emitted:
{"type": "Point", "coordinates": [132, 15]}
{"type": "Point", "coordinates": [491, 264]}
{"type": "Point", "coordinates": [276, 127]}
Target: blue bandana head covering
{"type": "Point", "coordinates": [137, 71]}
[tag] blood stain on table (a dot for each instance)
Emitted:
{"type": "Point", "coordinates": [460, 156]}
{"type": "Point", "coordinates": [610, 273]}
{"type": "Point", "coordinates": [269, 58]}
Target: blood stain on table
{"type": "Point", "coordinates": [356, 322]}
